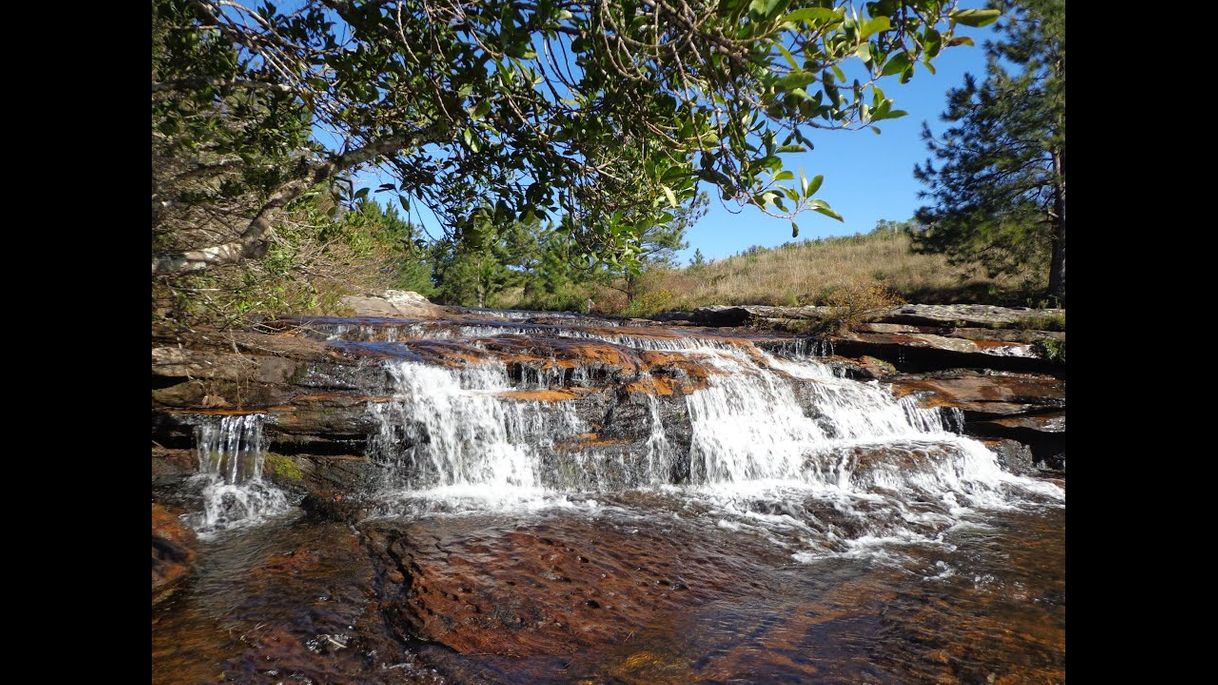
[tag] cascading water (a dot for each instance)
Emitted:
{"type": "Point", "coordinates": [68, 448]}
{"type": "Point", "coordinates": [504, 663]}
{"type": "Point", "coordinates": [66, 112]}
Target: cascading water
{"type": "Point", "coordinates": [844, 461]}
{"type": "Point", "coordinates": [447, 432]}
{"type": "Point", "coordinates": [231, 458]}
{"type": "Point", "coordinates": [564, 500]}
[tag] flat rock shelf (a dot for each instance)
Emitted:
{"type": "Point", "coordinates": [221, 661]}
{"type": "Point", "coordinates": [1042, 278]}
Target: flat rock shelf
{"type": "Point", "coordinates": [527, 497]}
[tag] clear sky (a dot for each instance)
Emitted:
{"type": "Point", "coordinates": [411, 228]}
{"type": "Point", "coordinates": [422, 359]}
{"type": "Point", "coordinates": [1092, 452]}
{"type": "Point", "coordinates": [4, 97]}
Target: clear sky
{"type": "Point", "coordinates": [868, 177]}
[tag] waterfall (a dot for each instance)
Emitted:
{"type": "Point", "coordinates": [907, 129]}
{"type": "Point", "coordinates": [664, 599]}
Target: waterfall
{"type": "Point", "coordinates": [231, 458]}
{"type": "Point", "coordinates": [448, 431]}
{"type": "Point", "coordinates": [760, 418]}
{"type": "Point", "coordinates": [779, 440]}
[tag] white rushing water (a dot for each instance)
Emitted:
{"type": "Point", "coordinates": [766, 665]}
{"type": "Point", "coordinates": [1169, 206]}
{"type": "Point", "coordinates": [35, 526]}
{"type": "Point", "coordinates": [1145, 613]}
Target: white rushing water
{"type": "Point", "coordinates": [231, 458]}
{"type": "Point", "coordinates": [449, 432]}
{"type": "Point", "coordinates": [779, 446]}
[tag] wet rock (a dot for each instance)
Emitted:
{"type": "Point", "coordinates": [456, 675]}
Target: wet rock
{"type": "Point", "coordinates": [173, 552]}
{"type": "Point", "coordinates": [335, 507]}
{"type": "Point", "coordinates": [862, 368]}
{"type": "Point", "coordinates": [477, 585]}
{"type": "Point", "coordinates": [983, 396]}
{"type": "Point", "coordinates": [315, 378]}
{"type": "Point", "coordinates": [925, 351]}
{"type": "Point", "coordinates": [1043, 433]}
{"type": "Point", "coordinates": [1014, 456]}
{"type": "Point", "coordinates": [1054, 422]}
{"type": "Point", "coordinates": [173, 462]}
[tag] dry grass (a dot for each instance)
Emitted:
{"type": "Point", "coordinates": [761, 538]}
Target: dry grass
{"type": "Point", "coordinates": [810, 272]}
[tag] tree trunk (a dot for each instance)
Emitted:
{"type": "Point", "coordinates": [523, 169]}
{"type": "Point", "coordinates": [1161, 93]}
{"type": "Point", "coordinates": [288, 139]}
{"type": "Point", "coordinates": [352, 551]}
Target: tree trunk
{"type": "Point", "coordinates": [1057, 263]}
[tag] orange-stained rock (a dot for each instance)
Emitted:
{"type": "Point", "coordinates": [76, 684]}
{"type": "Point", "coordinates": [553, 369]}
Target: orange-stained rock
{"type": "Point", "coordinates": [173, 552]}
{"type": "Point", "coordinates": [553, 395]}
{"type": "Point", "coordinates": [554, 587]}
{"type": "Point", "coordinates": [650, 385]}
{"type": "Point", "coordinates": [987, 395]}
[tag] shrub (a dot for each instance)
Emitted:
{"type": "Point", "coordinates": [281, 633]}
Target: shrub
{"type": "Point", "coordinates": [853, 303]}
{"type": "Point", "coordinates": [650, 303]}
{"type": "Point", "coordinates": [1043, 322]}
{"type": "Point", "coordinates": [1052, 349]}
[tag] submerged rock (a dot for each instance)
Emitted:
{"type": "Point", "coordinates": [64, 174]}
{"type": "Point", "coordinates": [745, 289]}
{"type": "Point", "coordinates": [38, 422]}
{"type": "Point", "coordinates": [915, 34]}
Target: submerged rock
{"type": "Point", "coordinates": [173, 552]}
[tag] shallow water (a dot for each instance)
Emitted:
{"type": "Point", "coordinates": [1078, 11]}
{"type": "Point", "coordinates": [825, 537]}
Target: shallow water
{"type": "Point", "coordinates": [638, 589]}
{"type": "Point", "coordinates": [805, 528]}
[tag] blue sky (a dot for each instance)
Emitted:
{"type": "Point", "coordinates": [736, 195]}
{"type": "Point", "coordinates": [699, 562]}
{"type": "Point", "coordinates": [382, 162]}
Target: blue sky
{"type": "Point", "coordinates": [868, 177]}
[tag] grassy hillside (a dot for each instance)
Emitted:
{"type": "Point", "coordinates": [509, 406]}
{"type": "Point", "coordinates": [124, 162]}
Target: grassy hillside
{"type": "Point", "coordinates": [811, 271]}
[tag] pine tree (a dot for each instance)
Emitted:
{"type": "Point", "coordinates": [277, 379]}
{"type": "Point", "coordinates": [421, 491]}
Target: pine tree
{"type": "Point", "coordinates": [1000, 190]}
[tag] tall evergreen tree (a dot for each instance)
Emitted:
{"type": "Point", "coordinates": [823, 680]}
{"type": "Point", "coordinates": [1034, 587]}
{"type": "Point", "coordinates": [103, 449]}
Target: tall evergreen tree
{"type": "Point", "coordinates": [999, 191]}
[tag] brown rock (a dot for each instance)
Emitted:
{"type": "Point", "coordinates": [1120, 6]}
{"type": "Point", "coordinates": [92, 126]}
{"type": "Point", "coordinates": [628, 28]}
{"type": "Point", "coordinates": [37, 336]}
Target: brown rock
{"type": "Point", "coordinates": [173, 552]}
{"type": "Point", "coordinates": [987, 395]}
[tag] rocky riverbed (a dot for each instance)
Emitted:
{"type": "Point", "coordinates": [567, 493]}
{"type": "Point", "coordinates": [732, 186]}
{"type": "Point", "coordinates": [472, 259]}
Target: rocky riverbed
{"type": "Point", "coordinates": [423, 494]}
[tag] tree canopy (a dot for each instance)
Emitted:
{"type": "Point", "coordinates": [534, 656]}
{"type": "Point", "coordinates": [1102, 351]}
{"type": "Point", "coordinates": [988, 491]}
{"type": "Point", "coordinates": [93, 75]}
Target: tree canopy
{"type": "Point", "coordinates": [999, 190]}
{"type": "Point", "coordinates": [599, 117]}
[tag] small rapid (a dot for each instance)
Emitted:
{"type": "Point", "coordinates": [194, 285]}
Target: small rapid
{"type": "Point", "coordinates": [231, 458]}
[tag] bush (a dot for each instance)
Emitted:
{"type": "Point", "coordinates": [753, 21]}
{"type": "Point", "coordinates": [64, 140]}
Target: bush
{"type": "Point", "coordinates": [650, 303]}
{"type": "Point", "coordinates": [1052, 349]}
{"type": "Point", "coordinates": [1043, 322]}
{"type": "Point", "coordinates": [853, 303]}
{"type": "Point", "coordinates": [315, 255]}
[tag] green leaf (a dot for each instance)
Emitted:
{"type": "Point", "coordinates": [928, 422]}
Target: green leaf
{"type": "Point", "coordinates": [795, 79]}
{"type": "Point", "coordinates": [481, 110]}
{"type": "Point", "coordinates": [672, 199]}
{"type": "Point", "coordinates": [895, 64]}
{"type": "Point", "coordinates": [794, 230]}
{"type": "Point", "coordinates": [822, 207]}
{"type": "Point", "coordinates": [976, 18]}
{"type": "Point", "coordinates": [932, 42]}
{"type": "Point", "coordinates": [874, 25]}
{"type": "Point", "coordinates": [784, 176]}
{"type": "Point", "coordinates": [815, 15]}
{"type": "Point", "coordinates": [875, 130]}
{"type": "Point", "coordinates": [864, 52]}
{"type": "Point", "coordinates": [764, 7]}
{"type": "Point", "coordinates": [814, 185]}
{"type": "Point", "coordinates": [787, 55]}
